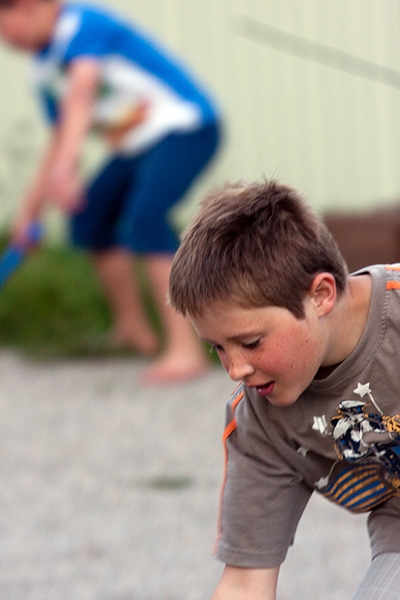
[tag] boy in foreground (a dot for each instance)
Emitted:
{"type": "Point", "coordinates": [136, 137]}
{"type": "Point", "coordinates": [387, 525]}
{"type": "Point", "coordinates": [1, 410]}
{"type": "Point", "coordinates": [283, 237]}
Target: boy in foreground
{"type": "Point", "coordinates": [95, 71]}
{"type": "Point", "coordinates": [316, 352]}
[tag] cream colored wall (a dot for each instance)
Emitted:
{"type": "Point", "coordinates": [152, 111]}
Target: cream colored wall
{"type": "Point", "coordinates": [294, 108]}
{"type": "Point", "coordinates": [330, 132]}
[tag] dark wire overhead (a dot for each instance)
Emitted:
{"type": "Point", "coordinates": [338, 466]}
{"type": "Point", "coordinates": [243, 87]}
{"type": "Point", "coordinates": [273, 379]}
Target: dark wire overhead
{"type": "Point", "coordinates": [313, 51]}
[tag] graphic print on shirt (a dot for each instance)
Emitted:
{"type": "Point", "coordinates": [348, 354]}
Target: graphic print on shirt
{"type": "Point", "coordinates": [370, 442]}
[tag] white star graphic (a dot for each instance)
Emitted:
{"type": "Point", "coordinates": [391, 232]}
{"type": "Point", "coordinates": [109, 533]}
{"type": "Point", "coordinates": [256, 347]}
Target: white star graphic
{"type": "Point", "coordinates": [322, 482]}
{"type": "Point", "coordinates": [320, 424]}
{"type": "Point", "coordinates": [303, 451]}
{"type": "Point", "coordinates": [362, 389]}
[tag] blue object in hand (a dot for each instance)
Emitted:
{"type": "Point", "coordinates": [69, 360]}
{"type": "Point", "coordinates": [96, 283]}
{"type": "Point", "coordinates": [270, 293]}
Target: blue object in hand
{"type": "Point", "coordinates": [14, 254]}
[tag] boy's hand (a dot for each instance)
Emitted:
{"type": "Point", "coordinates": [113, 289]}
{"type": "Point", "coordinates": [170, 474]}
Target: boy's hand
{"type": "Point", "coordinates": [114, 134]}
{"type": "Point", "coordinates": [239, 583]}
{"type": "Point", "coordinates": [22, 234]}
{"type": "Point", "coordinates": [64, 189]}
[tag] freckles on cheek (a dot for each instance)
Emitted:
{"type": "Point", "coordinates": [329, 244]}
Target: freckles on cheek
{"type": "Point", "coordinates": [279, 355]}
{"type": "Point", "coordinates": [287, 355]}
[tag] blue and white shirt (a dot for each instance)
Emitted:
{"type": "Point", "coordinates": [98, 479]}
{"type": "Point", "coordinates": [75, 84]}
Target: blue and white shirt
{"type": "Point", "coordinates": [134, 73]}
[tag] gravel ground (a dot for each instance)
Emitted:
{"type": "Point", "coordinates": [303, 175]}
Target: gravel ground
{"type": "Point", "coordinates": [109, 491]}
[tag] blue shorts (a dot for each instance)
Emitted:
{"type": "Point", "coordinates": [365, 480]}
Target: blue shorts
{"type": "Point", "coordinates": [127, 204]}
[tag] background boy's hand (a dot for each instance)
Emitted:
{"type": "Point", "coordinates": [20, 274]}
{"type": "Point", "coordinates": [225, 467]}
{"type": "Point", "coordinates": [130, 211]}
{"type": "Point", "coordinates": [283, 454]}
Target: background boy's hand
{"type": "Point", "coordinates": [64, 189]}
{"type": "Point", "coordinates": [21, 232]}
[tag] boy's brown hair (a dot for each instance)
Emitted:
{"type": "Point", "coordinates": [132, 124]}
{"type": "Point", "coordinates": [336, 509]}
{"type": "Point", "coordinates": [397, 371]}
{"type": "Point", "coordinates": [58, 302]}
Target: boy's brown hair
{"type": "Point", "coordinates": [254, 245]}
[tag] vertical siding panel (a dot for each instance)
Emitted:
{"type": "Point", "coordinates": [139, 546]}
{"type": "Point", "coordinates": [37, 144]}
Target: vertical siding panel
{"type": "Point", "coordinates": [389, 109]}
{"type": "Point", "coordinates": [331, 133]}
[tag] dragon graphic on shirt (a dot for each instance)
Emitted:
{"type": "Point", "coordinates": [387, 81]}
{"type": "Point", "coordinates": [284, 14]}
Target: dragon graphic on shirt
{"type": "Point", "coordinates": [367, 443]}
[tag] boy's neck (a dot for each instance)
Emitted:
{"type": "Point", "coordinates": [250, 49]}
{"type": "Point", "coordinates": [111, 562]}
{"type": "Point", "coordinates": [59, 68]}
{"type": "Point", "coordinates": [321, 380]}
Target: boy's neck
{"type": "Point", "coordinates": [348, 322]}
{"type": "Point", "coordinates": [49, 11]}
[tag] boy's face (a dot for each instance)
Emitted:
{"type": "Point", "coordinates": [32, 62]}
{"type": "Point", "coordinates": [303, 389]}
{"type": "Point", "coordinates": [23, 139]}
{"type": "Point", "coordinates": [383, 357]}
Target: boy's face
{"type": "Point", "coordinates": [19, 27]}
{"type": "Point", "coordinates": [267, 348]}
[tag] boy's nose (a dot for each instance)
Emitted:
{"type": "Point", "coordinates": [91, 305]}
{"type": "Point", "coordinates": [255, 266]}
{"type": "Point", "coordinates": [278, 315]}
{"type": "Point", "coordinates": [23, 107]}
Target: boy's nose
{"type": "Point", "coordinates": [239, 369]}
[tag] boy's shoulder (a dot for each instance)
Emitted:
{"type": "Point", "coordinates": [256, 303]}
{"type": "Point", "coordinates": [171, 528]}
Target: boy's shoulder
{"type": "Point", "coordinates": [236, 397]}
{"type": "Point", "coordinates": [83, 29]}
{"type": "Point", "coordinates": [86, 13]}
{"type": "Point", "coordinates": [97, 13]}
{"type": "Point", "coordinates": [383, 277]}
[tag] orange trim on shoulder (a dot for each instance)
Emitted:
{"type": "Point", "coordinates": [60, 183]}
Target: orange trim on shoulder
{"type": "Point", "coordinates": [236, 401]}
{"type": "Point", "coordinates": [229, 429]}
{"type": "Point", "coordinates": [232, 425]}
{"type": "Point", "coordinates": [393, 285]}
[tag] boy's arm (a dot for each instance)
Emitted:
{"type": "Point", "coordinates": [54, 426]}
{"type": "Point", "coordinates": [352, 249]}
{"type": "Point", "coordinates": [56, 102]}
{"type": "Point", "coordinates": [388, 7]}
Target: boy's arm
{"type": "Point", "coordinates": [63, 187]}
{"type": "Point", "coordinates": [34, 197]}
{"type": "Point", "coordinates": [239, 583]}
{"type": "Point", "coordinates": [57, 178]}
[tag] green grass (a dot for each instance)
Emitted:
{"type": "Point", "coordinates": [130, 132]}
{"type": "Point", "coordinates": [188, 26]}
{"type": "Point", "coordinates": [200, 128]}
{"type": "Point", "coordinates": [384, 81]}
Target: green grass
{"type": "Point", "coordinates": [53, 307]}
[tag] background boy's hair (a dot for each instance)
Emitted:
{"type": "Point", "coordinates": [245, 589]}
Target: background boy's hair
{"type": "Point", "coordinates": [255, 244]}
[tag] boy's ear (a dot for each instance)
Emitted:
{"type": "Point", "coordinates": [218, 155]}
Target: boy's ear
{"type": "Point", "coordinates": [323, 293]}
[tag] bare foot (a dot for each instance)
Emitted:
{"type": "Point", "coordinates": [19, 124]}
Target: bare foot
{"type": "Point", "coordinates": [145, 342]}
{"type": "Point", "coordinates": [175, 369]}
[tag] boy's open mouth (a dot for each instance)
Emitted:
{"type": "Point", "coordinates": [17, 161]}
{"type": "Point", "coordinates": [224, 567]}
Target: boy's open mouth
{"type": "Point", "coordinates": [266, 389]}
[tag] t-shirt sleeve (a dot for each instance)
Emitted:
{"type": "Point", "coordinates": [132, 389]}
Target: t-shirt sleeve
{"type": "Point", "coordinates": [384, 527]}
{"type": "Point", "coordinates": [93, 36]}
{"type": "Point", "coordinates": [262, 499]}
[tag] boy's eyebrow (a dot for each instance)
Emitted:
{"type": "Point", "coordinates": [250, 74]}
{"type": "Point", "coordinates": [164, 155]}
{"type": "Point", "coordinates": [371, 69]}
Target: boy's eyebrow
{"type": "Point", "coordinates": [231, 338]}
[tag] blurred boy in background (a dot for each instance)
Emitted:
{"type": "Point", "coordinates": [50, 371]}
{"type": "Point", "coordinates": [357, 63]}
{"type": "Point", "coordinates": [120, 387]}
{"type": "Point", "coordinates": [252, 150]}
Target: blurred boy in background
{"type": "Point", "coordinates": [95, 71]}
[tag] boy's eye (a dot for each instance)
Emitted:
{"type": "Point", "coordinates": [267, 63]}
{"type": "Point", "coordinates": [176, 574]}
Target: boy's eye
{"type": "Point", "coordinates": [250, 345]}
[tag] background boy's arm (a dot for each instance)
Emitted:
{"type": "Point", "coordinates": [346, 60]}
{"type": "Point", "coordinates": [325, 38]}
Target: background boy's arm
{"type": "Point", "coordinates": [238, 583]}
{"type": "Point", "coordinates": [64, 188]}
{"type": "Point", "coordinates": [57, 179]}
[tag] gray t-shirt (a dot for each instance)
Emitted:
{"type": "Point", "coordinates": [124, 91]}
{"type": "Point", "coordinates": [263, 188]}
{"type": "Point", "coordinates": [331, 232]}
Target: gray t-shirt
{"type": "Point", "coordinates": [341, 438]}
